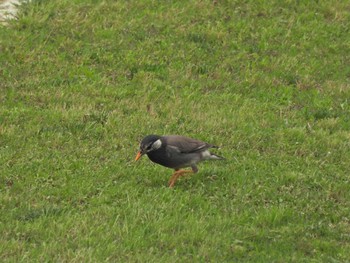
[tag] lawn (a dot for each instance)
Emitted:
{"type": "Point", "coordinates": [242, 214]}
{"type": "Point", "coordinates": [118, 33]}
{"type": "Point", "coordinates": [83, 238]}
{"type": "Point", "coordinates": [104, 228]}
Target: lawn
{"type": "Point", "coordinates": [82, 82]}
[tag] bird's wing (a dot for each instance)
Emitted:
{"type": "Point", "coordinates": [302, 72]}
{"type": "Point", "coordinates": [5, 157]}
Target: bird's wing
{"type": "Point", "coordinates": [185, 144]}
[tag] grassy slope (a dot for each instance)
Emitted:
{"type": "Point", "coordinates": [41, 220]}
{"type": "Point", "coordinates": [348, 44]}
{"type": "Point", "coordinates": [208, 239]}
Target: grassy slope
{"type": "Point", "coordinates": [83, 81]}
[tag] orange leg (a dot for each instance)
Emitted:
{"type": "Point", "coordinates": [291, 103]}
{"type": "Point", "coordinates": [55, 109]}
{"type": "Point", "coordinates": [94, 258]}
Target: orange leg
{"type": "Point", "coordinates": [176, 176]}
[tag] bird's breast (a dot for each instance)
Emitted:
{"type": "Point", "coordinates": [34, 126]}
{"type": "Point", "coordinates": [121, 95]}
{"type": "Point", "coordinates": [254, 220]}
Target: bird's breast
{"type": "Point", "coordinates": [161, 157]}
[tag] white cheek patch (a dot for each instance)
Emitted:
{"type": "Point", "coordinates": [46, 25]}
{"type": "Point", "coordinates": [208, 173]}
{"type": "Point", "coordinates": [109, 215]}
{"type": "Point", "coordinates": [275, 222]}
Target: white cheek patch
{"type": "Point", "coordinates": [156, 145]}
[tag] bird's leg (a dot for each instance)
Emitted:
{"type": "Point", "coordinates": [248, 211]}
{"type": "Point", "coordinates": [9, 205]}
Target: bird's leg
{"type": "Point", "coordinates": [177, 174]}
{"type": "Point", "coordinates": [173, 178]}
{"type": "Point", "coordinates": [194, 168]}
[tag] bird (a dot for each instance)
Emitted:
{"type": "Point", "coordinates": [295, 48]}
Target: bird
{"type": "Point", "coordinates": [176, 152]}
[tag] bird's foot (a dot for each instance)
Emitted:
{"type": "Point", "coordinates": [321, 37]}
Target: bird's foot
{"type": "Point", "coordinates": [176, 176]}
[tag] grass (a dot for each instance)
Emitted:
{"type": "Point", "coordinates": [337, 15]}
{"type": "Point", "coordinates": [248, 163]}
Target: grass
{"type": "Point", "coordinates": [83, 81]}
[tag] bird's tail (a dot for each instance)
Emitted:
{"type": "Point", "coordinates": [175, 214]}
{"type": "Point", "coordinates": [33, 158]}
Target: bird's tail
{"type": "Point", "coordinates": [216, 157]}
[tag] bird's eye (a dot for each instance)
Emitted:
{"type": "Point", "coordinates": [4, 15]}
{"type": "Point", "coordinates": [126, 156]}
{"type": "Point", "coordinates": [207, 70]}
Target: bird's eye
{"type": "Point", "coordinates": [149, 147]}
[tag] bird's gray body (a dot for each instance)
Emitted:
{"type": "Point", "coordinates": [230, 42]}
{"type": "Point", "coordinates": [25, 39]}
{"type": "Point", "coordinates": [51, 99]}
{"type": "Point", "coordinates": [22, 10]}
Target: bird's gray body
{"type": "Point", "coordinates": [177, 152]}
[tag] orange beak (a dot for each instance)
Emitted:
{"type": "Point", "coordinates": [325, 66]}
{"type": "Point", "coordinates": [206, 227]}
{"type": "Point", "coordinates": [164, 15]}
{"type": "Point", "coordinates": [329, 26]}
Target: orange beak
{"type": "Point", "coordinates": [138, 156]}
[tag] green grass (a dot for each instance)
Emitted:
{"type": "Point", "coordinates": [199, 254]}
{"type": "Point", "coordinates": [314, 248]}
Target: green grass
{"type": "Point", "coordinates": [81, 82]}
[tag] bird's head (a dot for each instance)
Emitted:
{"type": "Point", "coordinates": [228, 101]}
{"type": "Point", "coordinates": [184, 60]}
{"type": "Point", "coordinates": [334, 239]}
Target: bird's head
{"type": "Point", "coordinates": [148, 144]}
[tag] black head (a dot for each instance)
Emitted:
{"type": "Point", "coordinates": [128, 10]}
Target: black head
{"type": "Point", "coordinates": [148, 144]}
